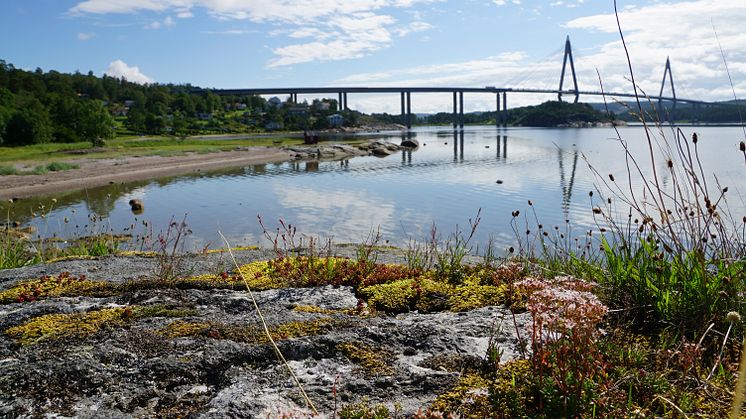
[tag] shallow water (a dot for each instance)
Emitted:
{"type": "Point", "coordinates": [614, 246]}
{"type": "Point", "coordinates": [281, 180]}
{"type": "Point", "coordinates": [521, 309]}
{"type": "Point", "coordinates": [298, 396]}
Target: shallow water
{"type": "Point", "coordinates": [444, 182]}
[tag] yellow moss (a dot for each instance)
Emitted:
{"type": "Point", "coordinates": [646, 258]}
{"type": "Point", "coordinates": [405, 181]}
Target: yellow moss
{"type": "Point", "coordinates": [298, 329]}
{"type": "Point", "coordinates": [468, 397]}
{"type": "Point", "coordinates": [71, 257]}
{"type": "Point", "coordinates": [256, 274]}
{"type": "Point", "coordinates": [394, 297]}
{"type": "Point", "coordinates": [245, 334]}
{"type": "Point", "coordinates": [141, 253]}
{"type": "Point", "coordinates": [63, 285]}
{"type": "Point", "coordinates": [57, 326]}
{"type": "Point", "coordinates": [181, 328]}
{"type": "Point", "coordinates": [434, 296]}
{"type": "Point", "coordinates": [212, 281]}
{"type": "Point", "coordinates": [372, 360]}
{"type": "Point", "coordinates": [470, 297]}
{"type": "Point", "coordinates": [313, 309]}
{"type": "Point", "coordinates": [258, 278]}
{"type": "Point", "coordinates": [81, 325]}
{"type": "Point", "coordinates": [235, 249]}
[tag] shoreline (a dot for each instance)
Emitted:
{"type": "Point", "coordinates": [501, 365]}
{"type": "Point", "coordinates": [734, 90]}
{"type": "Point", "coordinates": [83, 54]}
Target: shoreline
{"type": "Point", "coordinates": [100, 172]}
{"type": "Point", "coordinates": [93, 172]}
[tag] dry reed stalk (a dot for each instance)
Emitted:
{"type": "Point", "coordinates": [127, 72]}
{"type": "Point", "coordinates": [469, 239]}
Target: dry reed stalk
{"type": "Point", "coordinates": [266, 328]}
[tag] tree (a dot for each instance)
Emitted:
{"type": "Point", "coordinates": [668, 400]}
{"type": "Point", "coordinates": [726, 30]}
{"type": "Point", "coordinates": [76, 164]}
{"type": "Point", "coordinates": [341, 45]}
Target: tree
{"type": "Point", "coordinates": [94, 122]}
{"type": "Point", "coordinates": [6, 108]}
{"type": "Point", "coordinates": [28, 126]}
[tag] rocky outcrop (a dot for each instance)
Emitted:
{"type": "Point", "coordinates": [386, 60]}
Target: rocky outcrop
{"type": "Point", "coordinates": [169, 350]}
{"type": "Point", "coordinates": [342, 151]}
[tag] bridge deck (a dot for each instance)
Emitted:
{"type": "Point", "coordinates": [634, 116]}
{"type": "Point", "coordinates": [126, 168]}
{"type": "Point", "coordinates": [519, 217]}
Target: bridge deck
{"type": "Point", "coordinates": [494, 90]}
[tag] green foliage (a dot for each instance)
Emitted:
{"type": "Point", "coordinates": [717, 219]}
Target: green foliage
{"type": "Point", "coordinates": [28, 126]}
{"type": "Point", "coordinates": [15, 252]}
{"type": "Point", "coordinates": [552, 114]}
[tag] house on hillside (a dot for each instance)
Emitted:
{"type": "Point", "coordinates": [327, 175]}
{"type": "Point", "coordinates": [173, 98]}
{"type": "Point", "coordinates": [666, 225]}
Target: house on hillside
{"type": "Point", "coordinates": [335, 120]}
{"type": "Point", "coordinates": [273, 125]}
{"type": "Point", "coordinates": [275, 102]}
{"type": "Point", "coordinates": [301, 110]}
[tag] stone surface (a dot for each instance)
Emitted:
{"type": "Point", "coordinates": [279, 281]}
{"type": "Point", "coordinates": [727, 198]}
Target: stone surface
{"type": "Point", "coordinates": [135, 371]}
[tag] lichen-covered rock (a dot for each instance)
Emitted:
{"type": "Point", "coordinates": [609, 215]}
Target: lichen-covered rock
{"type": "Point", "coordinates": [196, 347]}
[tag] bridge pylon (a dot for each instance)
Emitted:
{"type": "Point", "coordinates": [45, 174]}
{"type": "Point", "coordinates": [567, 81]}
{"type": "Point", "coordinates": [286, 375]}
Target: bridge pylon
{"type": "Point", "coordinates": [667, 74]}
{"type": "Point", "coordinates": [568, 55]}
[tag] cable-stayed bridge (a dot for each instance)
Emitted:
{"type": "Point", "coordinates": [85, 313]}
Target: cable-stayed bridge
{"type": "Point", "coordinates": [501, 93]}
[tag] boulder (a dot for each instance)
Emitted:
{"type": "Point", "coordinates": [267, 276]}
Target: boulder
{"type": "Point", "coordinates": [410, 143]}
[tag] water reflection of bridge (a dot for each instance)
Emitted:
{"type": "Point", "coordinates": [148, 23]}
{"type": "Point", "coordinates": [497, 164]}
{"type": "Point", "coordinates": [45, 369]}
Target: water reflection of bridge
{"type": "Point", "coordinates": [501, 153]}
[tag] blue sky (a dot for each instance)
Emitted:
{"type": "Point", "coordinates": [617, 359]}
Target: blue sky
{"type": "Point", "coordinates": [260, 43]}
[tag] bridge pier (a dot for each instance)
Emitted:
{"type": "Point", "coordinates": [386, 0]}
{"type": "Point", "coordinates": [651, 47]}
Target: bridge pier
{"type": "Point", "coordinates": [461, 109]}
{"type": "Point", "coordinates": [403, 108]}
{"type": "Point", "coordinates": [498, 115]}
{"type": "Point", "coordinates": [455, 109]}
{"type": "Point", "coordinates": [344, 97]}
{"type": "Point", "coordinates": [409, 110]}
{"type": "Point", "coordinates": [505, 109]}
{"type": "Point", "coordinates": [339, 102]}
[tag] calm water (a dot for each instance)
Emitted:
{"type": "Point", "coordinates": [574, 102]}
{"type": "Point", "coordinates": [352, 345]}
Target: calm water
{"type": "Point", "coordinates": [444, 182]}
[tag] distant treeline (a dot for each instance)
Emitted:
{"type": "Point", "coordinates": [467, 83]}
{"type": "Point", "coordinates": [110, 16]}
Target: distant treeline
{"type": "Point", "coordinates": [548, 114]}
{"type": "Point", "coordinates": [725, 112]}
{"type": "Point", "coordinates": [553, 113]}
{"type": "Point", "coordinates": [40, 107]}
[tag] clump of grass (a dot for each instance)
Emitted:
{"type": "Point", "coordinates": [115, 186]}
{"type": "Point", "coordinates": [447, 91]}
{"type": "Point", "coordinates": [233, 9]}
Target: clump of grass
{"type": "Point", "coordinates": [57, 166]}
{"type": "Point", "coordinates": [6, 170]}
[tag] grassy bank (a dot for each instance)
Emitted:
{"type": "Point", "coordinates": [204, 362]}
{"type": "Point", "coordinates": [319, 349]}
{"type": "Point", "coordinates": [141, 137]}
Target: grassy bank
{"type": "Point", "coordinates": [136, 146]}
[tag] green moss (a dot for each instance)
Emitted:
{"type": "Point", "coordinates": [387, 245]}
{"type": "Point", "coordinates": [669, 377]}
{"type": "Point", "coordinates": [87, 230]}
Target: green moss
{"type": "Point", "coordinates": [394, 297]}
{"type": "Point", "coordinates": [372, 360]}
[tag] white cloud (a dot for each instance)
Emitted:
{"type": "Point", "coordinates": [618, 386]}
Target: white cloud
{"type": "Point", "coordinates": [168, 22]}
{"type": "Point", "coordinates": [231, 32]}
{"type": "Point", "coordinates": [120, 69]}
{"type": "Point", "coordinates": [360, 27]}
{"type": "Point", "coordinates": [85, 36]}
{"type": "Point", "coordinates": [680, 30]}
